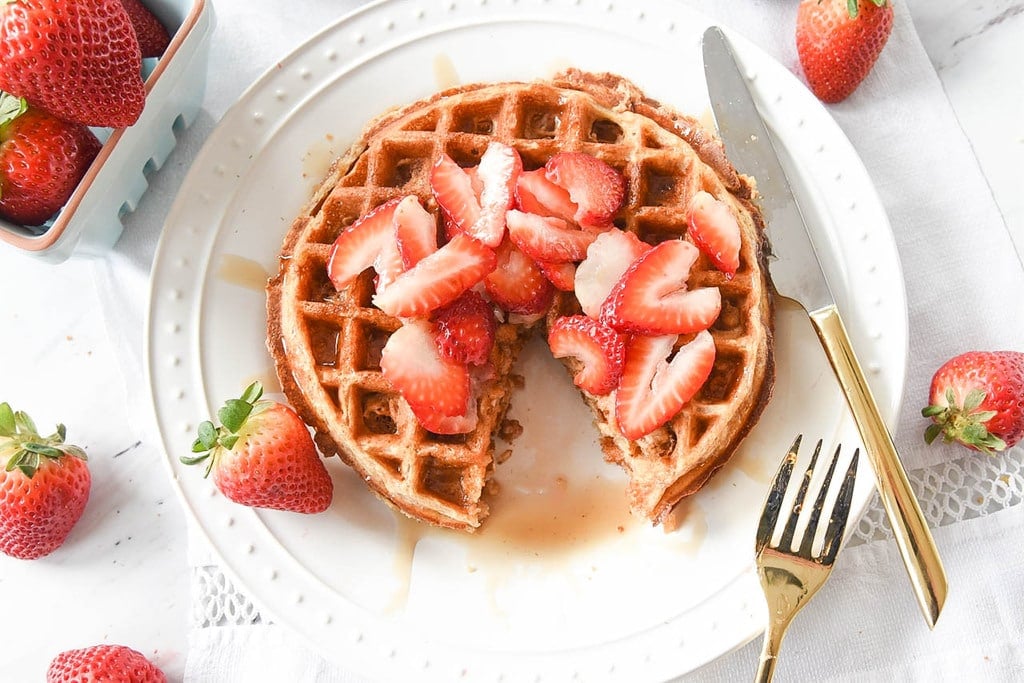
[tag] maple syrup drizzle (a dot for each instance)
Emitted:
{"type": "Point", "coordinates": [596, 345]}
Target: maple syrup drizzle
{"type": "Point", "coordinates": [445, 75]}
{"type": "Point", "coordinates": [243, 272]}
{"type": "Point", "coordinates": [546, 524]}
{"type": "Point", "coordinates": [316, 162]}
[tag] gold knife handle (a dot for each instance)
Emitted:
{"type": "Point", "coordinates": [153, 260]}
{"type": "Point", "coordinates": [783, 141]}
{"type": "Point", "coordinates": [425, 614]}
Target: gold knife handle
{"type": "Point", "coordinates": [913, 537]}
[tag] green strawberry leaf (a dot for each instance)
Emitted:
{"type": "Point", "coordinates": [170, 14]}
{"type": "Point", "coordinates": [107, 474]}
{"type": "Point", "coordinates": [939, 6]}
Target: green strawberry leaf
{"type": "Point", "coordinates": [42, 449]}
{"type": "Point", "coordinates": [11, 107]}
{"type": "Point", "coordinates": [932, 411]}
{"type": "Point", "coordinates": [24, 423]}
{"type": "Point", "coordinates": [15, 460]}
{"type": "Point", "coordinates": [253, 392]}
{"type": "Point", "coordinates": [973, 400]}
{"type": "Point", "coordinates": [209, 467]}
{"type": "Point", "coordinates": [234, 414]}
{"type": "Point", "coordinates": [852, 9]}
{"type": "Point", "coordinates": [207, 437]}
{"type": "Point", "coordinates": [229, 441]}
{"type": "Point", "coordinates": [931, 432]}
{"type": "Point", "coordinates": [25, 461]}
{"type": "Point", "coordinates": [974, 433]}
{"type": "Point", "coordinates": [193, 460]}
{"type": "Point", "coordinates": [29, 465]}
{"type": "Point", "coordinates": [7, 425]}
{"type": "Point", "coordinates": [73, 451]}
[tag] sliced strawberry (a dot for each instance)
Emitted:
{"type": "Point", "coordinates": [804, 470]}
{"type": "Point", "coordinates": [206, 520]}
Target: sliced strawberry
{"type": "Point", "coordinates": [474, 180]}
{"type": "Point", "coordinates": [595, 187]}
{"type": "Point", "coordinates": [561, 275]}
{"type": "Point", "coordinates": [599, 348]}
{"type": "Point", "coordinates": [536, 194]}
{"type": "Point", "coordinates": [652, 390]}
{"type": "Point", "coordinates": [358, 246]}
{"type": "Point", "coordinates": [714, 229]}
{"type": "Point", "coordinates": [388, 264]}
{"type": "Point", "coordinates": [466, 328]}
{"type": "Point", "coordinates": [498, 172]}
{"type": "Point", "coordinates": [438, 279]}
{"type": "Point", "coordinates": [548, 239]}
{"type": "Point", "coordinates": [450, 424]}
{"type": "Point", "coordinates": [608, 258]}
{"type": "Point", "coordinates": [651, 297]}
{"type": "Point", "coordinates": [429, 382]}
{"type": "Point", "coordinates": [453, 191]}
{"type": "Point", "coordinates": [415, 231]}
{"type": "Point", "coordinates": [517, 283]}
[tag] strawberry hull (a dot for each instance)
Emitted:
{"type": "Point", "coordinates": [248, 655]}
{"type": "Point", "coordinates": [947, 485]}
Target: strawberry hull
{"type": "Point", "coordinates": [90, 222]}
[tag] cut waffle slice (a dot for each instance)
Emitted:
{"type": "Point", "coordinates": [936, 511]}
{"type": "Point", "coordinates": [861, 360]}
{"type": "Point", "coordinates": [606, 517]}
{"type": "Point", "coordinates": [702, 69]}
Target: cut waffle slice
{"type": "Point", "coordinates": [326, 343]}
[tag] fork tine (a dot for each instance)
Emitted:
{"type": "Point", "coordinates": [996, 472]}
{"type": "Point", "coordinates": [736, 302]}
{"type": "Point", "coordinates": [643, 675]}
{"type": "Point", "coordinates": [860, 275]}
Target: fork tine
{"type": "Point", "coordinates": [773, 504]}
{"type": "Point", "coordinates": [819, 503]}
{"type": "Point", "coordinates": [786, 542]}
{"type": "Point", "coordinates": [840, 513]}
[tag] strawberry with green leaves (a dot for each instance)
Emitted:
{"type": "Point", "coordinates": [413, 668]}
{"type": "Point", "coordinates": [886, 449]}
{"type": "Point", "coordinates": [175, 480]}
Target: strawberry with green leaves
{"type": "Point", "coordinates": [977, 399]}
{"type": "Point", "coordinates": [44, 486]}
{"type": "Point", "coordinates": [42, 160]}
{"type": "Point", "coordinates": [263, 456]}
{"type": "Point", "coordinates": [103, 663]}
{"type": "Point", "coordinates": [839, 41]}
{"type": "Point", "coordinates": [80, 61]}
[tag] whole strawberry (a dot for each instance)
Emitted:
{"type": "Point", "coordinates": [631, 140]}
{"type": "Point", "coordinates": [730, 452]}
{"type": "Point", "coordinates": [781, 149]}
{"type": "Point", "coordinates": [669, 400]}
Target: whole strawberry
{"type": "Point", "coordinates": [263, 456]}
{"type": "Point", "coordinates": [42, 160]}
{"type": "Point", "coordinates": [977, 399]}
{"type": "Point", "coordinates": [103, 663]}
{"type": "Point", "coordinates": [153, 37]}
{"type": "Point", "coordinates": [838, 42]}
{"type": "Point", "coordinates": [44, 486]}
{"type": "Point", "coordinates": [80, 61]}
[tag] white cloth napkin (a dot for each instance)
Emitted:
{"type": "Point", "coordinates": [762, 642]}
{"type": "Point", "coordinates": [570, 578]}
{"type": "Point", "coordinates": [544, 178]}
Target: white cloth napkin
{"type": "Point", "coordinates": [948, 231]}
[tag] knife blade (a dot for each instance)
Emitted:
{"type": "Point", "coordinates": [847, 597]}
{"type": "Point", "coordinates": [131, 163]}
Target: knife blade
{"type": "Point", "coordinates": [797, 274]}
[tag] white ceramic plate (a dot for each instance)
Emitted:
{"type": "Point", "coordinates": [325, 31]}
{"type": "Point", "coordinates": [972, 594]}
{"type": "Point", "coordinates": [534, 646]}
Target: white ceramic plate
{"type": "Point", "coordinates": [560, 583]}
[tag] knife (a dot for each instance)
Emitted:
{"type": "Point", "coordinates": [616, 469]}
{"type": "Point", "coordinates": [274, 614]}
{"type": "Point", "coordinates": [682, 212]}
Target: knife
{"type": "Point", "coordinates": [797, 275]}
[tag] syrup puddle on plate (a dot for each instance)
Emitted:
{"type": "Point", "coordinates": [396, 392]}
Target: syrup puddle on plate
{"type": "Point", "coordinates": [317, 160]}
{"type": "Point", "coordinates": [557, 508]}
{"type": "Point", "coordinates": [445, 75]}
{"type": "Point", "coordinates": [243, 272]}
{"type": "Point", "coordinates": [546, 523]}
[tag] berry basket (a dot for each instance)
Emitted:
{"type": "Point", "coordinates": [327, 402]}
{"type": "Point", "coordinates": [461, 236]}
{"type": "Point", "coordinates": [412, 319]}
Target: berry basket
{"type": "Point", "coordinates": [90, 221]}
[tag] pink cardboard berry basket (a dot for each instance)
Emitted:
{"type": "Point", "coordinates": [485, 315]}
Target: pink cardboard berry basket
{"type": "Point", "coordinates": [90, 222]}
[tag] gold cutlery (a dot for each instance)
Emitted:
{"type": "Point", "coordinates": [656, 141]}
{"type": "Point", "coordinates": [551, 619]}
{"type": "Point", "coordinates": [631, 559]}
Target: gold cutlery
{"type": "Point", "coordinates": [797, 275]}
{"type": "Point", "coordinates": [791, 577]}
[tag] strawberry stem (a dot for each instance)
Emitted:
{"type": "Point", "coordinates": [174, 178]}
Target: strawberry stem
{"type": "Point", "coordinates": [853, 6]}
{"type": "Point", "coordinates": [25, 448]}
{"type": "Point", "coordinates": [210, 438]}
{"type": "Point", "coordinates": [964, 424]}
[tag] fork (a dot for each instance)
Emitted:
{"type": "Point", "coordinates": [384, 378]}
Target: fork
{"type": "Point", "coordinates": [791, 578]}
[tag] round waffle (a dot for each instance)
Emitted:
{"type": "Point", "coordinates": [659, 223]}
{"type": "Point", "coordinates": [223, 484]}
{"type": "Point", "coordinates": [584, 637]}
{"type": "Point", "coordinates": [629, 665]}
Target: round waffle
{"type": "Point", "coordinates": [327, 343]}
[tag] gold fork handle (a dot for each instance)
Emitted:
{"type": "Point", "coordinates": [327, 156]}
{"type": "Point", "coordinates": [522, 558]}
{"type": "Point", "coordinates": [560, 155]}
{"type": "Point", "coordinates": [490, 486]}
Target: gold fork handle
{"type": "Point", "coordinates": [913, 537]}
{"type": "Point", "coordinates": [770, 652]}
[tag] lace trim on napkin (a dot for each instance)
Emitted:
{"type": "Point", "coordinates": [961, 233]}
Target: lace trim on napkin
{"type": "Point", "coordinates": [217, 602]}
{"type": "Point", "coordinates": [969, 487]}
{"type": "Point", "coordinates": [972, 486]}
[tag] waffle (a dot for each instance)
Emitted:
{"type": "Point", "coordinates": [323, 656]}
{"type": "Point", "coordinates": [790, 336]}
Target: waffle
{"type": "Point", "coordinates": [326, 344]}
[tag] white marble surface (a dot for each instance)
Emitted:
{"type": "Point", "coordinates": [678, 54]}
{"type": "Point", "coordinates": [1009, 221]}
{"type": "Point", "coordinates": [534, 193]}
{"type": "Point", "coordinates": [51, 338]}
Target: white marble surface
{"type": "Point", "coordinates": [122, 576]}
